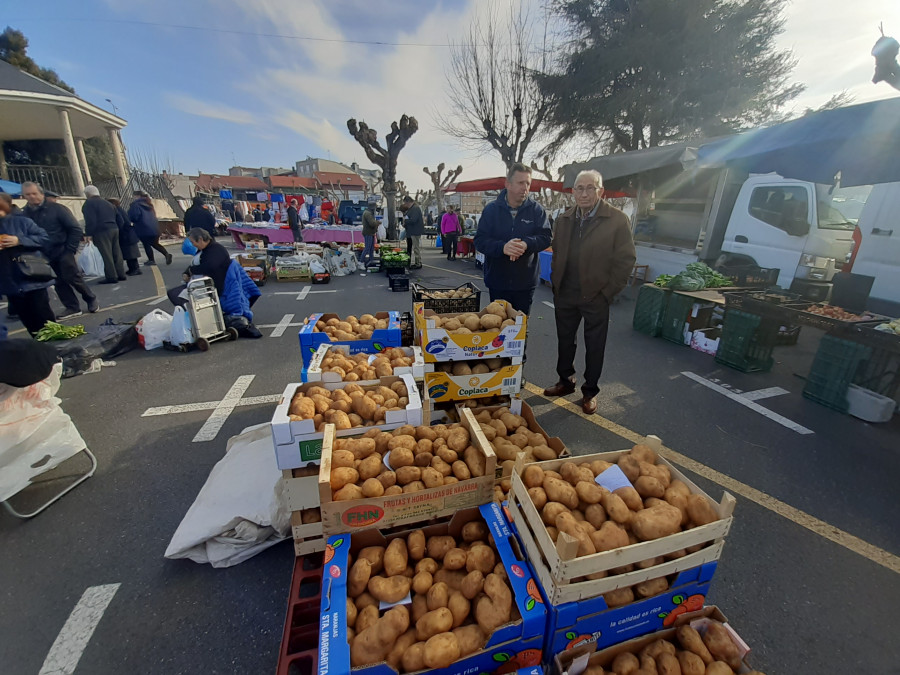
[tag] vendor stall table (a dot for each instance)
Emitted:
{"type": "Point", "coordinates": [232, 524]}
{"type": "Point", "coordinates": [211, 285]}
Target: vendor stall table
{"type": "Point", "coordinates": [341, 236]}
{"type": "Point", "coordinates": [275, 235]}
{"type": "Point", "coordinates": [465, 246]}
{"type": "Point", "coordinates": [272, 235]}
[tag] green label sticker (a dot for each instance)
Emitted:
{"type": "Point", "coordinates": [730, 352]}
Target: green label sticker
{"type": "Point", "coordinates": [311, 451]}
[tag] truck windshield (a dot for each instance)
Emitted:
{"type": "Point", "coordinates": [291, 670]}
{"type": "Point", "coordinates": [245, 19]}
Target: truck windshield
{"type": "Point", "coordinates": [841, 209]}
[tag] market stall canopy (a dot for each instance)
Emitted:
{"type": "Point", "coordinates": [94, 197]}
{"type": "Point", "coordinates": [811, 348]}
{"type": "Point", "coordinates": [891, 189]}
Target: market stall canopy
{"type": "Point", "coordinates": [10, 188]}
{"type": "Point", "coordinates": [483, 184]}
{"type": "Point", "coordinates": [636, 161]}
{"type": "Point", "coordinates": [859, 142]}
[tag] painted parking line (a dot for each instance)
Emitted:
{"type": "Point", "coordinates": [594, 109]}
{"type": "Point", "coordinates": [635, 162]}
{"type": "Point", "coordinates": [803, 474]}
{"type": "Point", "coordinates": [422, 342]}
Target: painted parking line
{"type": "Point", "coordinates": [796, 516]}
{"type": "Point", "coordinates": [444, 269]}
{"type": "Point", "coordinates": [283, 325]}
{"type": "Point", "coordinates": [158, 300]}
{"type": "Point", "coordinates": [223, 409]}
{"type": "Point", "coordinates": [77, 631]}
{"type": "Point", "coordinates": [747, 402]}
{"type": "Point", "coordinates": [769, 392]}
{"type": "Point", "coordinates": [208, 405]}
{"type": "Point", "coordinates": [303, 293]}
{"type": "Point", "coordinates": [549, 304]}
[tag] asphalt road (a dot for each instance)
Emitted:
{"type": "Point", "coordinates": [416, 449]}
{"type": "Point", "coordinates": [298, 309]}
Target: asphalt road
{"type": "Point", "coordinates": [804, 603]}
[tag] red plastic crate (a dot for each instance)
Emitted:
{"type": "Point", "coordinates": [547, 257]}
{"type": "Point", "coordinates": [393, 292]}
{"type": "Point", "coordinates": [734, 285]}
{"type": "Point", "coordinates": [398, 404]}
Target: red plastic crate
{"type": "Point", "coordinates": [299, 653]}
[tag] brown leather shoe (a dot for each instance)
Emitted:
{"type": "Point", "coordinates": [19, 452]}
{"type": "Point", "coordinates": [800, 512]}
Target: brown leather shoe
{"type": "Point", "coordinates": [560, 389]}
{"type": "Point", "coordinates": [589, 405]}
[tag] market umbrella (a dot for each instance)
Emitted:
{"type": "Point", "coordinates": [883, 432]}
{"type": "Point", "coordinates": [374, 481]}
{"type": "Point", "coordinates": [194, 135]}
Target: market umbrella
{"type": "Point", "coordinates": [10, 188]}
{"type": "Point", "coordinates": [858, 144]}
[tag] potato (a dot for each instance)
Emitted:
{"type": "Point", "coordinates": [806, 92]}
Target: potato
{"type": "Point", "coordinates": [459, 607]}
{"type": "Point", "coordinates": [404, 642]}
{"type": "Point", "coordinates": [350, 491]}
{"type": "Point", "coordinates": [408, 474]}
{"type": "Point", "coordinates": [437, 547]}
{"type": "Point", "coordinates": [631, 498]}
{"type": "Point", "coordinates": [538, 497]}
{"type": "Point", "coordinates": [719, 668]}
{"type": "Point", "coordinates": [480, 558]}
{"type": "Point", "coordinates": [458, 439]}
{"type": "Point", "coordinates": [657, 647]}
{"type": "Point", "coordinates": [560, 491]}
{"type": "Point", "coordinates": [625, 664]}
{"type": "Point", "coordinates": [720, 645]}
{"type": "Point", "coordinates": [595, 514]}
{"type": "Point", "coordinates": [437, 596]}
{"type": "Point", "coordinates": [660, 521]}
{"type": "Point", "coordinates": [387, 479]}
{"type": "Point", "coordinates": [589, 492]}
{"type": "Point", "coordinates": [401, 457]}
{"type": "Point", "coordinates": [413, 659]}
{"type": "Point", "coordinates": [455, 559]}
{"type": "Point", "coordinates": [395, 557]}
{"type": "Point", "coordinates": [414, 486]}
{"type": "Point", "coordinates": [651, 587]}
{"type": "Point", "coordinates": [471, 639]}
{"type": "Point", "coordinates": [609, 536]}
{"type": "Point", "coordinates": [616, 509]}
{"type": "Point", "coordinates": [342, 458]}
{"type": "Point", "coordinates": [472, 584]}
{"type": "Point", "coordinates": [619, 597]}
{"type": "Point", "coordinates": [439, 620]}
{"type": "Point", "coordinates": [360, 447]}
{"type": "Point", "coordinates": [373, 644]}
{"type": "Point", "coordinates": [351, 613]}
{"type": "Point", "coordinates": [370, 467]}
{"type": "Point", "coordinates": [644, 453]}
{"type": "Point", "coordinates": [419, 607]}
{"type": "Point", "coordinates": [426, 565]}
{"type": "Point", "coordinates": [358, 577]}
{"type": "Point", "coordinates": [474, 531]}
{"type": "Point", "coordinates": [431, 477]}
{"type": "Point", "coordinates": [550, 511]}
{"type": "Point", "coordinates": [659, 472]}
{"type": "Point", "coordinates": [691, 664]}
{"type": "Point", "coordinates": [700, 511]}
{"type": "Point", "coordinates": [366, 617]}
{"type": "Point", "coordinates": [532, 476]}
{"type": "Point", "coordinates": [565, 522]}
{"type": "Point", "coordinates": [390, 589]}
{"type": "Point", "coordinates": [461, 368]}
{"type": "Point", "coordinates": [343, 475]}
{"type": "Point", "coordinates": [453, 578]}
{"type": "Point", "coordinates": [475, 461]}
{"type": "Point", "coordinates": [441, 650]}
{"type": "Point", "coordinates": [494, 608]}
{"type": "Point", "coordinates": [690, 639]}
{"type": "Point", "coordinates": [372, 488]}
{"type": "Point", "coordinates": [460, 470]}
{"type": "Point", "coordinates": [490, 322]}
{"type": "Point", "coordinates": [480, 369]}
{"type": "Point", "coordinates": [630, 467]}
{"type": "Point", "coordinates": [648, 486]}
{"type": "Point", "coordinates": [421, 582]}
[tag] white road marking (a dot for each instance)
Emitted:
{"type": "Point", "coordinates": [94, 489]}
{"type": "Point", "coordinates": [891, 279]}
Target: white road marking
{"type": "Point", "coordinates": [223, 409]}
{"type": "Point", "coordinates": [208, 405]}
{"type": "Point", "coordinates": [759, 394]}
{"type": "Point", "coordinates": [302, 294]}
{"type": "Point", "coordinates": [158, 300]}
{"type": "Point", "coordinates": [77, 631]}
{"type": "Point", "coordinates": [549, 304]}
{"type": "Point", "coordinates": [283, 325]}
{"type": "Point", "coordinates": [741, 398]}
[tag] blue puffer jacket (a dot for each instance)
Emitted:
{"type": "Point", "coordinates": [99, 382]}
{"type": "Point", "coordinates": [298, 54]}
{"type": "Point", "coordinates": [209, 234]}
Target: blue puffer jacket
{"type": "Point", "coordinates": [496, 227]}
{"type": "Point", "coordinates": [145, 223]}
{"type": "Point", "coordinates": [239, 290]}
{"type": "Point", "coordinates": [31, 238]}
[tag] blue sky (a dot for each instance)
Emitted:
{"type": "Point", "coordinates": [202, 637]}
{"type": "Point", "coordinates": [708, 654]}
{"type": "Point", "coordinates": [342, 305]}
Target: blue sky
{"type": "Point", "coordinates": [205, 99]}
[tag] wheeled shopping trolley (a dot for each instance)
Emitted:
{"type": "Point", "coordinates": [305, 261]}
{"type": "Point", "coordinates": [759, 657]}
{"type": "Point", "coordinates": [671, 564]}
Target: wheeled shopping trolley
{"type": "Point", "coordinates": [207, 321]}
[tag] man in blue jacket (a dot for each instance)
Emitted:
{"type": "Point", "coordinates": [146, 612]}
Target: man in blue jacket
{"type": "Point", "coordinates": [512, 231]}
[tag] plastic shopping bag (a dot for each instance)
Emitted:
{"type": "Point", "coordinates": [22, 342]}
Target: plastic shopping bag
{"type": "Point", "coordinates": [90, 261]}
{"type": "Point", "coordinates": [154, 328]}
{"type": "Point", "coordinates": [188, 248]}
{"type": "Point", "coordinates": [180, 330]}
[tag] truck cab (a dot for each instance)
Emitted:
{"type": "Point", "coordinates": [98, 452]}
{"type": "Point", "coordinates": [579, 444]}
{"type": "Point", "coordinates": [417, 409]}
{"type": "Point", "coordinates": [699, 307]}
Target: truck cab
{"type": "Point", "coordinates": [791, 225]}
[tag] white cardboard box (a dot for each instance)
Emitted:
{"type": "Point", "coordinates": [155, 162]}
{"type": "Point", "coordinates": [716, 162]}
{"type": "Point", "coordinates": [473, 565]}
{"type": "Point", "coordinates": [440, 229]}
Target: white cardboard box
{"type": "Point", "coordinates": [315, 374]}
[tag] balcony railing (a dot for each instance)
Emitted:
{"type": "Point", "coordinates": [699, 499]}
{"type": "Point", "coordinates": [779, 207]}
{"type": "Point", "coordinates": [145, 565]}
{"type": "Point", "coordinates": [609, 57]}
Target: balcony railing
{"type": "Point", "coordinates": [55, 178]}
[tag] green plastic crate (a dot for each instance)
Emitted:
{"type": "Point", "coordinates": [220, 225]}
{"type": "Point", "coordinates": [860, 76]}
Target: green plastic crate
{"type": "Point", "coordinates": [676, 315]}
{"type": "Point", "coordinates": [649, 309]}
{"type": "Point", "coordinates": [833, 370]}
{"type": "Point", "coordinates": [747, 341]}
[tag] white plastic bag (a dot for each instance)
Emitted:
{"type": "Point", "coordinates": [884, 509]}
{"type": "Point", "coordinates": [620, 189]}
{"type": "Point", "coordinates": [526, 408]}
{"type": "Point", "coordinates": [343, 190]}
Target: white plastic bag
{"type": "Point", "coordinates": [90, 261]}
{"type": "Point", "coordinates": [382, 232]}
{"type": "Point", "coordinates": [180, 330]}
{"type": "Point", "coordinates": [153, 329]}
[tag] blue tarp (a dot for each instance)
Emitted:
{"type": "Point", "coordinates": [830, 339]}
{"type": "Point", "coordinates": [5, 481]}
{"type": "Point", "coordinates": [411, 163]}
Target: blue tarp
{"type": "Point", "coordinates": [10, 188]}
{"type": "Point", "coordinates": [546, 260]}
{"type": "Point", "coordinates": [859, 142]}
{"type": "Point", "coordinates": [225, 194]}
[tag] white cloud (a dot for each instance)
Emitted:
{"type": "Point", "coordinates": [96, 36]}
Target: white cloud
{"type": "Point", "coordinates": [216, 111]}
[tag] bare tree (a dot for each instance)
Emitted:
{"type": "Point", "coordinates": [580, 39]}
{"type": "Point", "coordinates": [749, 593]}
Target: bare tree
{"type": "Point", "coordinates": [493, 102]}
{"type": "Point", "coordinates": [385, 158]}
{"type": "Point", "coordinates": [441, 183]}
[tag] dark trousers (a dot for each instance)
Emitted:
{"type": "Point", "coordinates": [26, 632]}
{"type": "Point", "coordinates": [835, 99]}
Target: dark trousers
{"type": "Point", "coordinates": [173, 294]}
{"type": "Point", "coordinates": [298, 234]}
{"type": "Point", "coordinates": [570, 310]}
{"type": "Point", "coordinates": [133, 265]}
{"type": "Point", "coordinates": [369, 251]}
{"type": "Point", "coordinates": [451, 240]}
{"type": "Point", "coordinates": [151, 243]}
{"type": "Point", "coordinates": [32, 308]}
{"type": "Point", "coordinates": [69, 279]}
{"type": "Point", "coordinates": [409, 247]}
{"type": "Point", "coordinates": [520, 300]}
{"type": "Point", "coordinates": [107, 242]}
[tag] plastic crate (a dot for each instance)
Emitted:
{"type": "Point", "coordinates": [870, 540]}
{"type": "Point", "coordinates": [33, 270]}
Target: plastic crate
{"type": "Point", "coordinates": [471, 303]}
{"type": "Point", "coordinates": [398, 283]}
{"type": "Point", "coordinates": [753, 276]}
{"type": "Point", "coordinates": [649, 309]}
{"type": "Point", "coordinates": [674, 317]}
{"type": "Point", "coordinates": [747, 341]}
{"type": "Point", "coordinates": [832, 371]}
{"type": "Point", "coordinates": [788, 336]}
{"type": "Point", "coordinates": [407, 330]}
{"type": "Point", "coordinates": [321, 278]}
{"type": "Point", "coordinates": [299, 652]}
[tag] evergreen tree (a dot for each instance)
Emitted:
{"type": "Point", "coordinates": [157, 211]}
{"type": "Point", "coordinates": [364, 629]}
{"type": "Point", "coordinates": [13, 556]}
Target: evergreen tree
{"type": "Point", "coordinates": [640, 73]}
{"type": "Point", "coordinates": [14, 50]}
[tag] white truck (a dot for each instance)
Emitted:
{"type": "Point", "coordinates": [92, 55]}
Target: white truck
{"type": "Point", "coordinates": [731, 220]}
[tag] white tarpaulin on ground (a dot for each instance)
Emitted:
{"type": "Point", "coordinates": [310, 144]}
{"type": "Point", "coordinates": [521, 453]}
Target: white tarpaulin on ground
{"type": "Point", "coordinates": [236, 515]}
{"type": "Point", "coordinates": [35, 434]}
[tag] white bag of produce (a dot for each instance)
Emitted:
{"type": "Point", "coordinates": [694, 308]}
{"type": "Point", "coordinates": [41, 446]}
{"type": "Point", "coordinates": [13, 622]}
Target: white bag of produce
{"type": "Point", "coordinates": [90, 261]}
{"type": "Point", "coordinates": [180, 329]}
{"type": "Point", "coordinates": [237, 513]}
{"type": "Point", "coordinates": [154, 328]}
{"type": "Point", "coordinates": [316, 267]}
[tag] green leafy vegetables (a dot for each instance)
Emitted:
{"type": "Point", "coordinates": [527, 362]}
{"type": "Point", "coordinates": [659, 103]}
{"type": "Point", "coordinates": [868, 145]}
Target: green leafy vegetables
{"type": "Point", "coordinates": [57, 331]}
{"type": "Point", "coordinates": [695, 277]}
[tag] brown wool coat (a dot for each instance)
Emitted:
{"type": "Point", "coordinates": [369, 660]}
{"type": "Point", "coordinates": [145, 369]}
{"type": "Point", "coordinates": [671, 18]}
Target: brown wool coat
{"type": "Point", "coordinates": [606, 257]}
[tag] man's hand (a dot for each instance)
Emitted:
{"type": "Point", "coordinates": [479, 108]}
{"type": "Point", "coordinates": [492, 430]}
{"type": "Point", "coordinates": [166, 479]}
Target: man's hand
{"type": "Point", "coordinates": [515, 249]}
{"type": "Point", "coordinates": [8, 241]}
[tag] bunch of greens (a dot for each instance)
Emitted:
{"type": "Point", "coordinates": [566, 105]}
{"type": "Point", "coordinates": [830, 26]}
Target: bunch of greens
{"type": "Point", "coordinates": [711, 278]}
{"type": "Point", "coordinates": [663, 280]}
{"type": "Point", "coordinates": [395, 259]}
{"type": "Point", "coordinates": [57, 331]}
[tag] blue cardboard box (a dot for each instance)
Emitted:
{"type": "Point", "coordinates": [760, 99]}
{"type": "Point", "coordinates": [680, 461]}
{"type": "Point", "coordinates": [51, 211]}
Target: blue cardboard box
{"type": "Point", "coordinates": [382, 338]}
{"type": "Point", "coordinates": [518, 644]}
{"type": "Point", "coordinates": [587, 621]}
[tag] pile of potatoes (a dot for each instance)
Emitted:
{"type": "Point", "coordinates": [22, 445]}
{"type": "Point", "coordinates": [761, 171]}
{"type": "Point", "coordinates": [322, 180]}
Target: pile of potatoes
{"type": "Point", "coordinates": [350, 328]}
{"type": "Point", "coordinates": [462, 292]}
{"type": "Point", "coordinates": [459, 594]}
{"type": "Point", "coordinates": [480, 367]}
{"type": "Point", "coordinates": [689, 653]}
{"type": "Point", "coordinates": [355, 367]}
{"type": "Point", "coordinates": [493, 317]}
{"type": "Point", "coordinates": [420, 457]}
{"type": "Point", "coordinates": [657, 506]}
{"type": "Point", "coordinates": [352, 406]}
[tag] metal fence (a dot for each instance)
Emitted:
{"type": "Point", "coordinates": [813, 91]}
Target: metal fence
{"type": "Point", "coordinates": [55, 178]}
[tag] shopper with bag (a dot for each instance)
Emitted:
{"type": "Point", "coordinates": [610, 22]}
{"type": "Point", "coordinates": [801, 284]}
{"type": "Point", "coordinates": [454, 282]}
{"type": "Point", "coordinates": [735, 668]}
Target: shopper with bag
{"type": "Point", "coordinates": [369, 230]}
{"type": "Point", "coordinates": [65, 235]}
{"type": "Point", "coordinates": [100, 225]}
{"type": "Point", "coordinates": [25, 273]}
{"type": "Point", "coordinates": [450, 231]}
{"type": "Point", "coordinates": [128, 240]}
{"type": "Point", "coordinates": [146, 225]}
{"type": "Point", "coordinates": [212, 261]}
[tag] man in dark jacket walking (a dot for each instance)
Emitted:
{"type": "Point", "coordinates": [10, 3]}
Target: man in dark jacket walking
{"type": "Point", "coordinates": [593, 256]}
{"type": "Point", "coordinates": [294, 221]}
{"type": "Point", "coordinates": [146, 225]}
{"type": "Point", "coordinates": [415, 228]}
{"type": "Point", "coordinates": [101, 226]}
{"type": "Point", "coordinates": [369, 230]}
{"type": "Point", "coordinates": [64, 234]}
{"type": "Point", "coordinates": [512, 232]}
{"type": "Point", "coordinates": [128, 239]}
{"type": "Point", "coordinates": [198, 215]}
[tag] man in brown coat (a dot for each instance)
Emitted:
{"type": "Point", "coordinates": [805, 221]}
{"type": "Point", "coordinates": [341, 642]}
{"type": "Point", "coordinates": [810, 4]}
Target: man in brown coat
{"type": "Point", "coordinates": [593, 256]}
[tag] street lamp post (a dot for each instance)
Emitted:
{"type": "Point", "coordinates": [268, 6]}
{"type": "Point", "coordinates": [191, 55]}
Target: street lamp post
{"type": "Point", "coordinates": [115, 109]}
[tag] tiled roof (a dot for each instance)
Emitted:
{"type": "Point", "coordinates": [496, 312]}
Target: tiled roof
{"type": "Point", "coordinates": [345, 180]}
{"type": "Point", "coordinates": [292, 182]}
{"type": "Point", "coordinates": [213, 183]}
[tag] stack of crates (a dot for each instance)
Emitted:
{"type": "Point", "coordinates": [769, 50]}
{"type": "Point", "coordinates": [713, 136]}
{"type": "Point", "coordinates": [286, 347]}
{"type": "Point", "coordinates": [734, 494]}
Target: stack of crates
{"type": "Point", "coordinates": [747, 341]}
{"type": "Point", "coordinates": [676, 314]}
{"type": "Point", "coordinates": [833, 370]}
{"type": "Point", "coordinates": [649, 309]}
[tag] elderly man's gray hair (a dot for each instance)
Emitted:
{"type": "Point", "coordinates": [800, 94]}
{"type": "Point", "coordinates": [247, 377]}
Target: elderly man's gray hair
{"type": "Point", "coordinates": [593, 173]}
{"type": "Point", "coordinates": [28, 183]}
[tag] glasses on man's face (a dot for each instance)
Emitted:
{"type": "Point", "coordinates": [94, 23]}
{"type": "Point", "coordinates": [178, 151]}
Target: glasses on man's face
{"type": "Point", "coordinates": [586, 188]}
